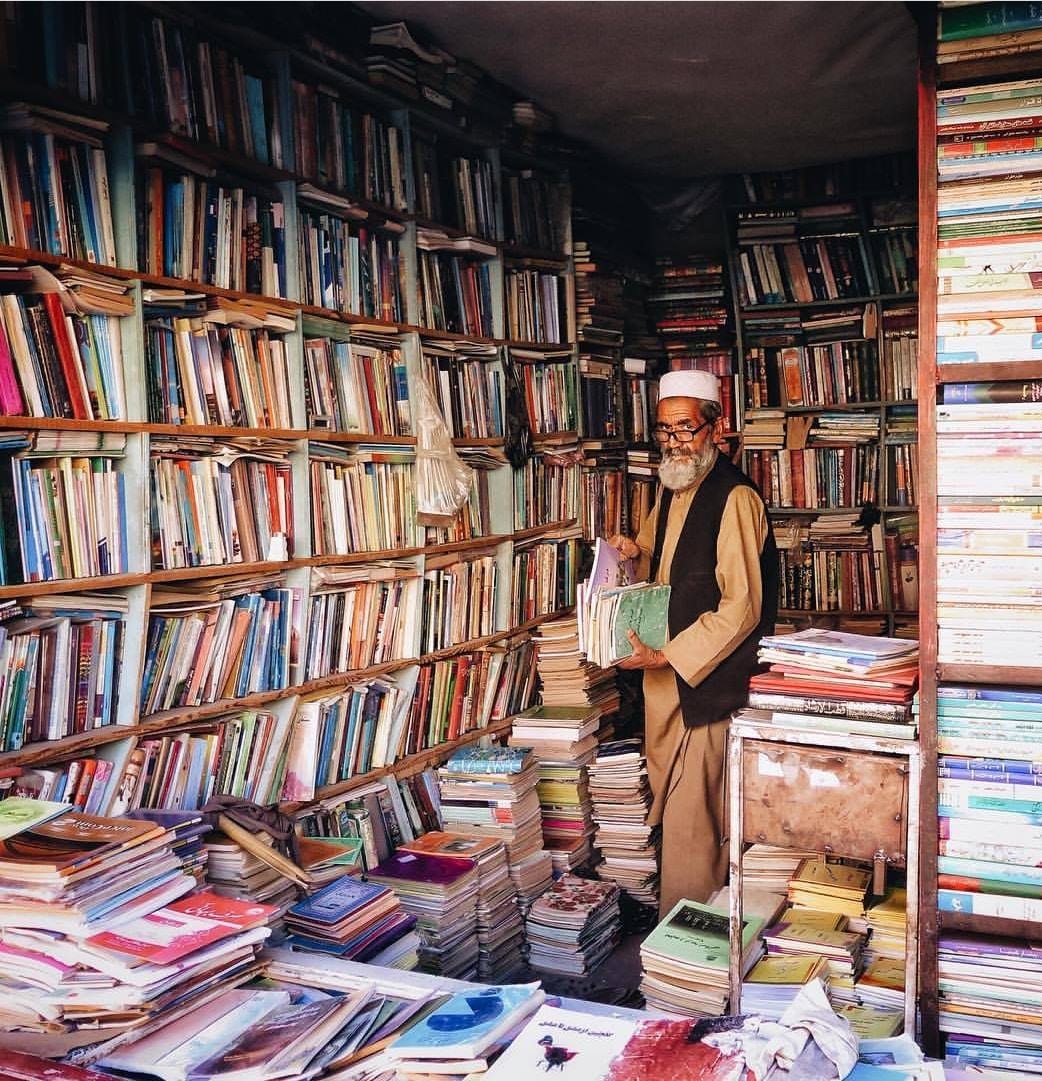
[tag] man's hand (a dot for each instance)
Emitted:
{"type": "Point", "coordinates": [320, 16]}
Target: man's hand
{"type": "Point", "coordinates": [643, 656]}
{"type": "Point", "coordinates": [624, 546]}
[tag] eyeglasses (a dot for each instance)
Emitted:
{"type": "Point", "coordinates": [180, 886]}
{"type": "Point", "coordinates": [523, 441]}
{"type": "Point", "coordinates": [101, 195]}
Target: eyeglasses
{"type": "Point", "coordinates": [663, 434]}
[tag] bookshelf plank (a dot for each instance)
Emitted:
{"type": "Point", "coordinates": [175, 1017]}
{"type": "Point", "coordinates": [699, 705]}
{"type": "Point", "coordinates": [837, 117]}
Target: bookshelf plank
{"type": "Point", "coordinates": [989, 371]}
{"type": "Point", "coordinates": [985, 673]}
{"type": "Point", "coordinates": [990, 925]}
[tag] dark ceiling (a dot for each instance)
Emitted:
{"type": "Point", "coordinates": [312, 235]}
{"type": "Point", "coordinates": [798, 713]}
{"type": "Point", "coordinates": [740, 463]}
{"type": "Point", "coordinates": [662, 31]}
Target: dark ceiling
{"type": "Point", "coordinates": [671, 90]}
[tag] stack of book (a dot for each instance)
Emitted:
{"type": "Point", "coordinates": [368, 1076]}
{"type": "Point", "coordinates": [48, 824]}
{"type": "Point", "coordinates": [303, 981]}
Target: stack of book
{"type": "Point", "coordinates": [621, 795]}
{"type": "Point", "coordinates": [491, 792]}
{"type": "Point", "coordinates": [767, 867]}
{"type": "Point", "coordinates": [980, 31]}
{"type": "Point", "coordinates": [500, 926]}
{"type": "Point", "coordinates": [829, 887]}
{"type": "Point", "coordinates": [810, 933]}
{"type": "Point", "coordinates": [833, 681]}
{"type": "Point", "coordinates": [990, 989]}
{"type": "Point", "coordinates": [441, 892]}
{"type": "Point", "coordinates": [990, 840]}
{"type": "Point", "coordinates": [773, 983]}
{"type": "Point", "coordinates": [463, 1033]}
{"type": "Point", "coordinates": [567, 677]}
{"type": "Point", "coordinates": [360, 921]}
{"type": "Point", "coordinates": [573, 927]}
{"type": "Point", "coordinates": [97, 935]}
{"type": "Point", "coordinates": [563, 741]}
{"type": "Point", "coordinates": [551, 394]}
{"type": "Point", "coordinates": [685, 959]}
{"type": "Point", "coordinates": [234, 872]}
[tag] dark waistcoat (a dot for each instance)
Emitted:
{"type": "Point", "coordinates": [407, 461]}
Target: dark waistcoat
{"type": "Point", "coordinates": [694, 590]}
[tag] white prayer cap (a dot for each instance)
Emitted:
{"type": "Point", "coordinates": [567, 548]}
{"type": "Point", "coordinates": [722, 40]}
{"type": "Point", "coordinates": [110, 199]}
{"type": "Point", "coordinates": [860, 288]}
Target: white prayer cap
{"type": "Point", "coordinates": [702, 385]}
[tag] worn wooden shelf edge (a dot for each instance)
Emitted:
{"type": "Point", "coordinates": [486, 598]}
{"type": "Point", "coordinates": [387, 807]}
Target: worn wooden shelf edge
{"type": "Point", "coordinates": [987, 673]}
{"type": "Point", "coordinates": [989, 925]}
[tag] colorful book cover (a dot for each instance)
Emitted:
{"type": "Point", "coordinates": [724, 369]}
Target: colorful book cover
{"type": "Point", "coordinates": [468, 1023]}
{"type": "Point", "coordinates": [645, 611]}
{"type": "Point", "coordinates": [339, 899]}
{"type": "Point", "coordinates": [563, 1043]}
{"type": "Point", "coordinates": [663, 1049]}
{"type": "Point", "coordinates": [181, 928]}
{"type": "Point", "coordinates": [18, 813]}
{"type": "Point", "coordinates": [696, 934]}
{"type": "Point", "coordinates": [418, 867]}
{"type": "Point", "coordinates": [488, 760]}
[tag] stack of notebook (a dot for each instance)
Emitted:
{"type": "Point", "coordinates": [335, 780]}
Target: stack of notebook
{"type": "Point", "coordinates": [563, 740]}
{"type": "Point", "coordinates": [621, 797]}
{"type": "Point", "coordinates": [772, 984]}
{"type": "Point", "coordinates": [360, 921]}
{"type": "Point", "coordinates": [100, 932]}
{"type": "Point", "coordinates": [817, 934]}
{"type": "Point", "coordinates": [491, 792]}
{"type": "Point", "coordinates": [500, 926]}
{"type": "Point", "coordinates": [573, 927]}
{"type": "Point", "coordinates": [830, 887]}
{"type": "Point", "coordinates": [685, 959]}
{"type": "Point", "coordinates": [441, 892]}
{"type": "Point", "coordinates": [567, 678]}
{"type": "Point", "coordinates": [832, 681]}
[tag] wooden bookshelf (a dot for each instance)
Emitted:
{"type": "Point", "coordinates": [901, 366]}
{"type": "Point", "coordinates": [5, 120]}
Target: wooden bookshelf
{"type": "Point", "coordinates": [746, 337]}
{"type": "Point", "coordinates": [284, 62]}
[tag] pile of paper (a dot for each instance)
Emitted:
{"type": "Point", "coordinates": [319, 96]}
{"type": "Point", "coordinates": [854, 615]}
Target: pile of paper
{"type": "Point", "coordinates": [685, 959]}
{"type": "Point", "coordinates": [573, 927]}
{"type": "Point", "coordinates": [563, 740]}
{"type": "Point", "coordinates": [361, 921]}
{"type": "Point", "coordinates": [621, 797]}
{"type": "Point", "coordinates": [441, 892]}
{"type": "Point", "coordinates": [500, 925]}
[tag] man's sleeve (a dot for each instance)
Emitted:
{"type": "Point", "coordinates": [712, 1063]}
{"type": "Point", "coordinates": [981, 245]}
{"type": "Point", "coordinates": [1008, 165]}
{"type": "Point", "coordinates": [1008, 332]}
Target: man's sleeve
{"type": "Point", "coordinates": [699, 648]}
{"type": "Point", "coordinates": [646, 544]}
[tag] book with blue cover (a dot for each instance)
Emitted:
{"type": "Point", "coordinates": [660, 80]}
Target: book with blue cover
{"type": "Point", "coordinates": [489, 760]}
{"type": "Point", "coordinates": [470, 1022]}
{"type": "Point", "coordinates": [338, 900]}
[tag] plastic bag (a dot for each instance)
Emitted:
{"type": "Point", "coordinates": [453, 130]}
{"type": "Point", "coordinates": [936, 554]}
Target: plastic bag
{"type": "Point", "coordinates": [442, 480]}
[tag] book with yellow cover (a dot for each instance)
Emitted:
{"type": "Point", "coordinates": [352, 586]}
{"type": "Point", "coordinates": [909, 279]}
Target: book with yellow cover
{"type": "Point", "coordinates": [870, 1022]}
{"type": "Point", "coordinates": [834, 879]}
{"type": "Point", "coordinates": [788, 970]}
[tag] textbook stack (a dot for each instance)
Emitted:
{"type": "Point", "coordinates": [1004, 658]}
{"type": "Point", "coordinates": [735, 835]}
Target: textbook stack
{"type": "Point", "coordinates": [441, 892]}
{"type": "Point", "coordinates": [359, 921]}
{"type": "Point", "coordinates": [621, 795]}
{"type": "Point", "coordinates": [685, 959]}
{"type": "Point", "coordinates": [491, 792]}
{"type": "Point", "coordinates": [563, 740]}
{"type": "Point", "coordinates": [500, 927]}
{"type": "Point", "coordinates": [833, 681]}
{"type": "Point", "coordinates": [990, 844]}
{"type": "Point", "coordinates": [87, 909]}
{"type": "Point", "coordinates": [573, 927]}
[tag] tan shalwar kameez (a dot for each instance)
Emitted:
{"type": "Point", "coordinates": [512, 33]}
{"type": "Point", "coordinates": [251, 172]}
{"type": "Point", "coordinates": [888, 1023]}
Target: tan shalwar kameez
{"type": "Point", "coordinates": [686, 765]}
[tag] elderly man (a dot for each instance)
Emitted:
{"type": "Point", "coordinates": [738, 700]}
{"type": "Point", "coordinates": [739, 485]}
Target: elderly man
{"type": "Point", "coordinates": [709, 538]}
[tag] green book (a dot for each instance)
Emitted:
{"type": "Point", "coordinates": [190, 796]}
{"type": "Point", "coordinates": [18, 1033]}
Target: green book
{"type": "Point", "coordinates": [643, 609]}
{"type": "Point", "coordinates": [980, 20]}
{"type": "Point", "coordinates": [695, 934]}
{"type": "Point", "coordinates": [17, 813]}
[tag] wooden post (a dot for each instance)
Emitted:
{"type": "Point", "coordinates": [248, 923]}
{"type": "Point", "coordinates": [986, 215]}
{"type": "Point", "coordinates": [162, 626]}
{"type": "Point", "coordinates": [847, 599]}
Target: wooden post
{"type": "Point", "coordinates": [735, 788]}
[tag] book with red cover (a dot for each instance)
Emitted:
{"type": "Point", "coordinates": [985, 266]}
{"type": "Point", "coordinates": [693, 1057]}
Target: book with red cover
{"type": "Point", "coordinates": [662, 1049]}
{"type": "Point", "coordinates": [183, 927]}
{"type": "Point", "coordinates": [17, 1066]}
{"type": "Point", "coordinates": [70, 362]}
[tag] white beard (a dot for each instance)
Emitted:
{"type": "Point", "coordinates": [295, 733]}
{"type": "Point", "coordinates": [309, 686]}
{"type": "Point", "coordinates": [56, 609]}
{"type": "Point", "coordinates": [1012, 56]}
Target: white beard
{"type": "Point", "coordinates": [678, 472]}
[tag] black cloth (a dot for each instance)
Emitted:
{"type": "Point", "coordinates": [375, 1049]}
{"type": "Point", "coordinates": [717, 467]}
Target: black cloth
{"type": "Point", "coordinates": [694, 591]}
